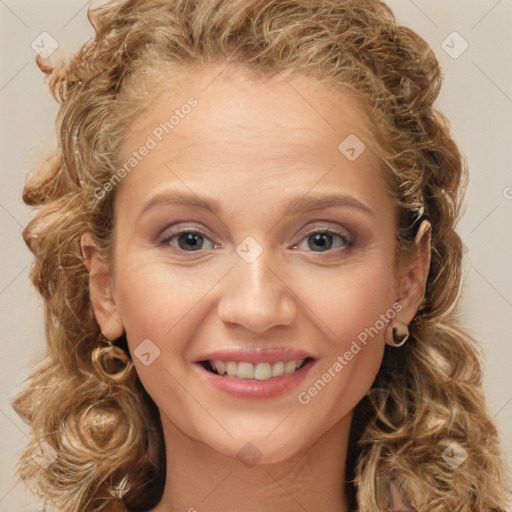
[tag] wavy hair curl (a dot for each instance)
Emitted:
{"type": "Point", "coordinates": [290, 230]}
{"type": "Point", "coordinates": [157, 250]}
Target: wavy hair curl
{"type": "Point", "coordinates": [85, 400]}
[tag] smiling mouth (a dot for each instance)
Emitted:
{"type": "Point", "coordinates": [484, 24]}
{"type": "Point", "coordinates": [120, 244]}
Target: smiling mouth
{"type": "Point", "coordinates": [250, 371]}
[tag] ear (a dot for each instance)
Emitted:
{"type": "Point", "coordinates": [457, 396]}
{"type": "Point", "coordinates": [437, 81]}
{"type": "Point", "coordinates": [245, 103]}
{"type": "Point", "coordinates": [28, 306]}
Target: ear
{"type": "Point", "coordinates": [100, 289]}
{"type": "Point", "coordinates": [413, 281]}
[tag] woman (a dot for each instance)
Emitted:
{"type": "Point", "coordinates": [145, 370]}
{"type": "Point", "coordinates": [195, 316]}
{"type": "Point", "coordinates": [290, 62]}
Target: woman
{"type": "Point", "coordinates": [308, 357]}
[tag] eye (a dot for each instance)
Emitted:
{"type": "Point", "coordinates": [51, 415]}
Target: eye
{"type": "Point", "coordinates": [321, 239]}
{"type": "Point", "coordinates": [187, 239]}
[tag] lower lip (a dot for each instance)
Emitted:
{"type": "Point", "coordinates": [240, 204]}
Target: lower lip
{"type": "Point", "coordinates": [251, 388]}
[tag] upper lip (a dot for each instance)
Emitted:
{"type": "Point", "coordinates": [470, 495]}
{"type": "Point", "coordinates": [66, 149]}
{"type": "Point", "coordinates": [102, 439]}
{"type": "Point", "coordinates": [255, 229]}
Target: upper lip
{"type": "Point", "coordinates": [256, 355]}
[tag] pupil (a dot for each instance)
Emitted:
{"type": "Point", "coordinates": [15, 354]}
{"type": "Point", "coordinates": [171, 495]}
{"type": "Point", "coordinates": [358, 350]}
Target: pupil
{"type": "Point", "coordinates": [319, 239]}
{"type": "Point", "coordinates": [190, 239]}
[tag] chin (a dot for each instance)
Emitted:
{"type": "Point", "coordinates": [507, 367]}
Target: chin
{"type": "Point", "coordinates": [259, 450]}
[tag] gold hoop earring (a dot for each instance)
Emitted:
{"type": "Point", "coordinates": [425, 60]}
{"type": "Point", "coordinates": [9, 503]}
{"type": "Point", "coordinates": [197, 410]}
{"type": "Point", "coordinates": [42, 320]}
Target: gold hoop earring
{"type": "Point", "coordinates": [111, 362]}
{"type": "Point", "coordinates": [396, 334]}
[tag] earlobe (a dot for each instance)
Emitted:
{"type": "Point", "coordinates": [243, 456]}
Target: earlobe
{"type": "Point", "coordinates": [100, 289]}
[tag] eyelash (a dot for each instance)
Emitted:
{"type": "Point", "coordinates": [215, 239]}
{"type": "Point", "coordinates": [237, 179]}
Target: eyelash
{"type": "Point", "coordinates": [329, 230]}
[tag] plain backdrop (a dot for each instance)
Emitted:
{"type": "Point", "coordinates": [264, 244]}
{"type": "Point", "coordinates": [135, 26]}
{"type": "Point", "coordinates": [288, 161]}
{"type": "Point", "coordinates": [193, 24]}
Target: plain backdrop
{"type": "Point", "coordinates": [476, 97]}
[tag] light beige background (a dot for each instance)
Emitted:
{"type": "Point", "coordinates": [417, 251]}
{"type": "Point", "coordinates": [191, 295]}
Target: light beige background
{"type": "Point", "coordinates": [477, 97]}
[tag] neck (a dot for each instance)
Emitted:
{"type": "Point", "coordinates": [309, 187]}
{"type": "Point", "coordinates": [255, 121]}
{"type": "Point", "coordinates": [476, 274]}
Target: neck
{"type": "Point", "coordinates": [200, 479]}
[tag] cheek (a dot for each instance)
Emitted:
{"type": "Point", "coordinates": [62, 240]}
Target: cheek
{"type": "Point", "coordinates": [154, 299]}
{"type": "Point", "coordinates": [349, 301]}
{"type": "Point", "coordinates": [158, 302]}
{"type": "Point", "coordinates": [352, 307]}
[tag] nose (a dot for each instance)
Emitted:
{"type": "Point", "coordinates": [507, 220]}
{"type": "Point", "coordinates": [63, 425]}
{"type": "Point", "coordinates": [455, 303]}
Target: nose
{"type": "Point", "coordinates": [258, 294]}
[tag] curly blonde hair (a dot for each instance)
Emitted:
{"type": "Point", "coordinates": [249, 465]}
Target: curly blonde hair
{"type": "Point", "coordinates": [84, 401]}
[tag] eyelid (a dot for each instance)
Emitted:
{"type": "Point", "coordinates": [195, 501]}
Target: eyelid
{"type": "Point", "coordinates": [339, 230]}
{"type": "Point", "coordinates": [336, 228]}
{"type": "Point", "coordinates": [332, 229]}
{"type": "Point", "coordinates": [326, 227]}
{"type": "Point", "coordinates": [170, 232]}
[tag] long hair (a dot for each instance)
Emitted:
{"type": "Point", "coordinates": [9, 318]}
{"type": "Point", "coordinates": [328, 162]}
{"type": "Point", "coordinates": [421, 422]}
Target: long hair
{"type": "Point", "coordinates": [87, 410]}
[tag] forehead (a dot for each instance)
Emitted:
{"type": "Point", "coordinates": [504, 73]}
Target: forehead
{"type": "Point", "coordinates": [250, 131]}
{"type": "Point", "coordinates": [231, 96]}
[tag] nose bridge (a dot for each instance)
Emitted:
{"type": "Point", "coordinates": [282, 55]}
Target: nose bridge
{"type": "Point", "coordinates": [254, 295]}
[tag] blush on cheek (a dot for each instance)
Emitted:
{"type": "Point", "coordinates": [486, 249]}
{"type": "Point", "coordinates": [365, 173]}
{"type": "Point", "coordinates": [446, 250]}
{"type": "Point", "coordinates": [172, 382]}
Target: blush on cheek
{"type": "Point", "coordinates": [354, 308]}
{"type": "Point", "coordinates": [152, 303]}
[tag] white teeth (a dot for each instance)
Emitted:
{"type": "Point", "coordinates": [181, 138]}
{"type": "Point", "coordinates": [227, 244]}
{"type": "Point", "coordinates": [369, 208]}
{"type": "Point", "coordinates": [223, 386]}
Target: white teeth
{"type": "Point", "coordinates": [289, 367]}
{"type": "Point", "coordinates": [278, 369]}
{"type": "Point", "coordinates": [263, 371]}
{"type": "Point", "coordinates": [220, 366]}
{"type": "Point", "coordinates": [231, 368]}
{"type": "Point", "coordinates": [245, 371]}
{"type": "Point", "coordinates": [260, 371]}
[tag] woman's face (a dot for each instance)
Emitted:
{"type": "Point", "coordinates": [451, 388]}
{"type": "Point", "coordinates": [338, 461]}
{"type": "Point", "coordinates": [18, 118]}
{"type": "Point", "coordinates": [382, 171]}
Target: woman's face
{"type": "Point", "coordinates": [247, 279]}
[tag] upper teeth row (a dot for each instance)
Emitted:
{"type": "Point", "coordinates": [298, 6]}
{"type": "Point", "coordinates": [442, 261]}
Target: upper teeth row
{"type": "Point", "coordinates": [260, 371]}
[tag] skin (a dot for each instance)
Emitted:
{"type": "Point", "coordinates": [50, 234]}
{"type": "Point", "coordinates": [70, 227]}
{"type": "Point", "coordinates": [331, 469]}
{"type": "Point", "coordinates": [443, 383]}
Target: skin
{"type": "Point", "coordinates": [253, 145]}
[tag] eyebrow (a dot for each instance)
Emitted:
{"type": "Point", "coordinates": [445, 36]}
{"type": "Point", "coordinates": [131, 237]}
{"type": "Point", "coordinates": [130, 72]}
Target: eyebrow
{"type": "Point", "coordinates": [295, 205]}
